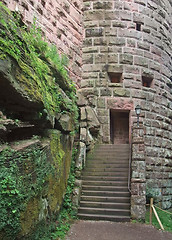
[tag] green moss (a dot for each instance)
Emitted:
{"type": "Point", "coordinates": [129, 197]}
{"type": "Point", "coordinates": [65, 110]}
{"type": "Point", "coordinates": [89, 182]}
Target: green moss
{"type": "Point", "coordinates": [56, 150]}
{"type": "Point", "coordinates": [39, 69]}
{"type": "Point", "coordinates": [22, 178]}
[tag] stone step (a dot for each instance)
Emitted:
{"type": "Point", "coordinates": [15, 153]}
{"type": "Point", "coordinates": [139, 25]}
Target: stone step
{"type": "Point", "coordinates": [93, 164]}
{"type": "Point", "coordinates": [107, 155]}
{"type": "Point", "coordinates": [105, 188]}
{"type": "Point", "coordinates": [105, 169]}
{"type": "Point", "coordinates": [106, 199]}
{"type": "Point", "coordinates": [105, 178]}
{"type": "Point", "coordinates": [105, 205]}
{"type": "Point", "coordinates": [105, 183]}
{"type": "Point", "coordinates": [104, 217]}
{"type": "Point", "coordinates": [107, 173]}
{"type": "Point", "coordinates": [105, 193]}
{"type": "Point", "coordinates": [110, 151]}
{"type": "Point", "coordinates": [112, 146]}
{"type": "Point", "coordinates": [104, 211]}
{"type": "Point", "coordinates": [108, 159]}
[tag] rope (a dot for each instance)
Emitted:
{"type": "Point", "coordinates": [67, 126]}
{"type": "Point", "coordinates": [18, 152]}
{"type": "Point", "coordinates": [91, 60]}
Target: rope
{"type": "Point", "coordinates": [163, 210]}
{"type": "Point", "coordinates": [160, 209]}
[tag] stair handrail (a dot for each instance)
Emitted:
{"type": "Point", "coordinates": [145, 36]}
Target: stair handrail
{"type": "Point", "coordinates": [129, 167]}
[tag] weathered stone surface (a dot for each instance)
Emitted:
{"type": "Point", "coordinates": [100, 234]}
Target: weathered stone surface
{"type": "Point", "coordinates": [102, 5]}
{"type": "Point", "coordinates": [93, 123]}
{"type": "Point", "coordinates": [105, 92]}
{"type": "Point", "coordinates": [80, 161]}
{"type": "Point", "coordinates": [125, 59]}
{"type": "Point", "coordinates": [83, 134]}
{"type": "Point", "coordinates": [83, 113]}
{"type": "Point", "coordinates": [120, 103]}
{"type": "Point", "coordinates": [138, 200]}
{"type": "Point", "coordinates": [82, 101]}
{"type": "Point", "coordinates": [101, 102]}
{"type": "Point", "coordinates": [138, 212]}
{"type": "Point", "coordinates": [89, 91]}
{"type": "Point", "coordinates": [138, 189]}
{"type": "Point", "coordinates": [121, 92]}
{"type": "Point", "coordinates": [66, 122]}
{"type": "Point", "coordinates": [94, 32]}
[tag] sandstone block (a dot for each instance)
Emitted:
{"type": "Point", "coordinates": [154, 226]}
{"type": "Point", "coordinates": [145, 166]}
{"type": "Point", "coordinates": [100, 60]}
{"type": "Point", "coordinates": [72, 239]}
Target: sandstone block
{"type": "Point", "coordinates": [83, 114]}
{"type": "Point", "coordinates": [132, 33]}
{"type": "Point", "coordinates": [112, 15]}
{"type": "Point", "coordinates": [101, 103]}
{"type": "Point", "coordinates": [83, 134]}
{"type": "Point", "coordinates": [100, 58]}
{"type": "Point", "coordinates": [99, 41]}
{"type": "Point", "coordinates": [140, 61]}
{"type": "Point", "coordinates": [113, 58]}
{"type": "Point", "coordinates": [125, 59]}
{"type": "Point", "coordinates": [138, 200]}
{"type": "Point", "coordinates": [121, 92]}
{"type": "Point", "coordinates": [138, 18]}
{"type": "Point", "coordinates": [94, 32]}
{"type": "Point", "coordinates": [119, 103]}
{"type": "Point", "coordinates": [116, 41]}
{"type": "Point", "coordinates": [125, 15]}
{"type": "Point", "coordinates": [93, 15]}
{"type": "Point", "coordinates": [66, 122]}
{"type": "Point", "coordinates": [80, 161]}
{"type": "Point", "coordinates": [143, 45]}
{"type": "Point", "coordinates": [105, 92]}
{"type": "Point", "coordinates": [88, 58]}
{"type": "Point", "coordinates": [138, 189]}
{"type": "Point", "coordinates": [93, 122]}
{"type": "Point", "coordinates": [81, 101]}
{"type": "Point", "coordinates": [87, 83]}
{"type": "Point", "coordinates": [103, 112]}
{"type": "Point", "coordinates": [119, 24]}
{"type": "Point", "coordinates": [102, 5]}
{"type": "Point", "coordinates": [103, 120]}
{"type": "Point", "coordinates": [138, 212]}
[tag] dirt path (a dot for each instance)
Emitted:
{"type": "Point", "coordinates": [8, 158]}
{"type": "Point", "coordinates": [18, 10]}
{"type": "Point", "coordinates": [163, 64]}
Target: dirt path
{"type": "Point", "coordinates": [101, 230]}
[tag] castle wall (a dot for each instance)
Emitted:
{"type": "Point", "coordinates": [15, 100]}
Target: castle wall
{"type": "Point", "coordinates": [127, 61]}
{"type": "Point", "coordinates": [61, 23]}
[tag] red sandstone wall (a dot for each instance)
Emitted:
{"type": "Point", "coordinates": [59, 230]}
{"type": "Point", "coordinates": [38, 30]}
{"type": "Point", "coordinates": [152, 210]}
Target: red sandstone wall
{"type": "Point", "coordinates": [61, 22]}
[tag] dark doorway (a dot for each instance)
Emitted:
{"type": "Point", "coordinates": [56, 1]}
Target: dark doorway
{"type": "Point", "coordinates": [119, 121]}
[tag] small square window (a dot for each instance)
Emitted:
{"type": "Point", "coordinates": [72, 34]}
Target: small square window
{"type": "Point", "coordinates": [138, 26]}
{"type": "Point", "coordinates": [147, 81]}
{"type": "Point", "coordinates": [115, 77]}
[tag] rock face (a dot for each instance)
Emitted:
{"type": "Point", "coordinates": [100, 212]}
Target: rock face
{"type": "Point", "coordinates": [61, 24]}
{"type": "Point", "coordinates": [126, 61]}
{"type": "Point", "coordinates": [38, 113]}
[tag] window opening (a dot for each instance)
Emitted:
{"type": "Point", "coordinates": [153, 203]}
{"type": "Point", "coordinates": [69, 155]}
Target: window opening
{"type": "Point", "coordinates": [147, 81]}
{"type": "Point", "coordinates": [138, 26]}
{"type": "Point", "coordinates": [115, 77]}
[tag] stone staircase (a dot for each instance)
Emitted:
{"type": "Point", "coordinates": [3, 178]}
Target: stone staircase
{"type": "Point", "coordinates": [105, 194]}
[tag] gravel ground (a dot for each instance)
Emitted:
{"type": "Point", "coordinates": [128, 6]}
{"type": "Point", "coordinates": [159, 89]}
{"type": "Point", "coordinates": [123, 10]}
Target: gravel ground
{"type": "Point", "coordinates": [103, 230]}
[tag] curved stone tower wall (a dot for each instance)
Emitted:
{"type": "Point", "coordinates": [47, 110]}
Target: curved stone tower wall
{"type": "Point", "coordinates": [127, 61]}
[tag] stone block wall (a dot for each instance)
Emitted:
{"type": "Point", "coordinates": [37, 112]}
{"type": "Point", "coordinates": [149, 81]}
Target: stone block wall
{"type": "Point", "coordinates": [132, 39]}
{"type": "Point", "coordinates": [138, 174]}
{"type": "Point", "coordinates": [61, 24]}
